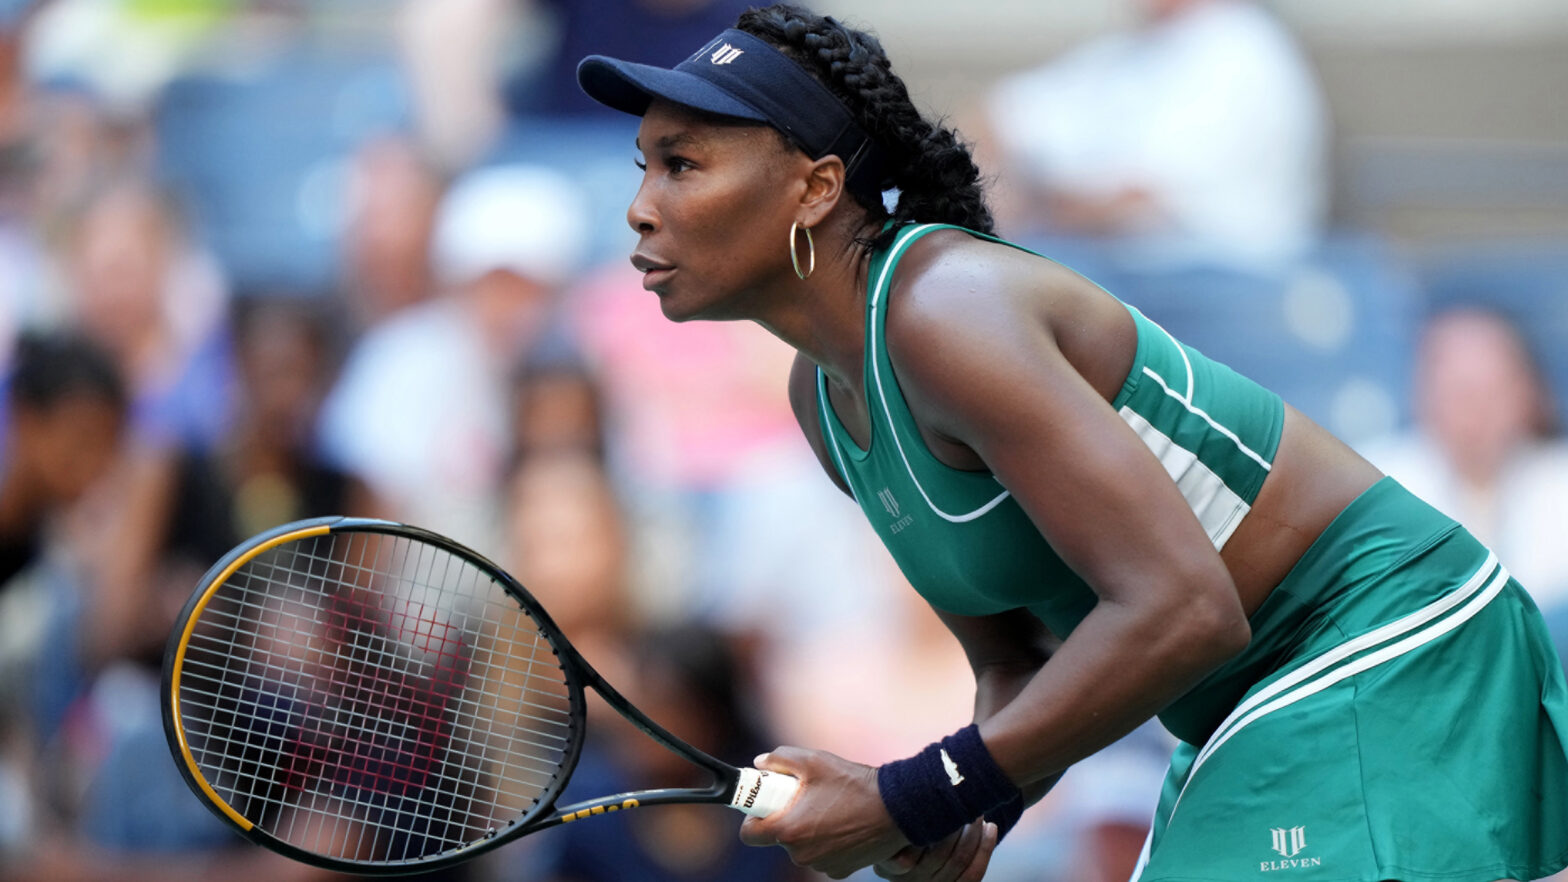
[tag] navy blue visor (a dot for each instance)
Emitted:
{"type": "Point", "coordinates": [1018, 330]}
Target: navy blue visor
{"type": "Point", "coordinates": [739, 76]}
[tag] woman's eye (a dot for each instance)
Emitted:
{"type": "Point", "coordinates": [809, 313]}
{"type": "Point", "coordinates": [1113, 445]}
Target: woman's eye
{"type": "Point", "coordinates": [674, 164]}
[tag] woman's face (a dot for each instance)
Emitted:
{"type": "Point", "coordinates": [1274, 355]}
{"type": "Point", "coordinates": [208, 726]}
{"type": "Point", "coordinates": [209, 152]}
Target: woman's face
{"type": "Point", "coordinates": [713, 212]}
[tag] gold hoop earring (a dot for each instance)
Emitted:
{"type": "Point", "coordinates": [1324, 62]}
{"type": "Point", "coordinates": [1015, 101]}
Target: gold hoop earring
{"type": "Point", "coordinates": [811, 256]}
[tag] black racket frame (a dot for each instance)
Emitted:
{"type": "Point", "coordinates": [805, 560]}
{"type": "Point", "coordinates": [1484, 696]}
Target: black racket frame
{"type": "Point", "coordinates": [579, 675]}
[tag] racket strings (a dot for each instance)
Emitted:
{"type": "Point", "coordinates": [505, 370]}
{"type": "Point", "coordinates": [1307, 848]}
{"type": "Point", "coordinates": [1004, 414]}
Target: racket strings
{"type": "Point", "coordinates": [369, 697]}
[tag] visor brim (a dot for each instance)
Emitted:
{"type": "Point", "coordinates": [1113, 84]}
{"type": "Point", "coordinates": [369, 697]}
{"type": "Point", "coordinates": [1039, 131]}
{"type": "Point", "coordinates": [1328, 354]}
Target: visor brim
{"type": "Point", "coordinates": [630, 87]}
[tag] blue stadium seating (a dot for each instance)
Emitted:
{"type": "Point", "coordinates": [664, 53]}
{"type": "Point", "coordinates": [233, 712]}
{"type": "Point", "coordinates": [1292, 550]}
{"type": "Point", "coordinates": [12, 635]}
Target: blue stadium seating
{"type": "Point", "coordinates": [1333, 336]}
{"type": "Point", "coordinates": [261, 158]}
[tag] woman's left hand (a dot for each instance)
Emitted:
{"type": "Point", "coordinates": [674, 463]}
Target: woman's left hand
{"type": "Point", "coordinates": [836, 824]}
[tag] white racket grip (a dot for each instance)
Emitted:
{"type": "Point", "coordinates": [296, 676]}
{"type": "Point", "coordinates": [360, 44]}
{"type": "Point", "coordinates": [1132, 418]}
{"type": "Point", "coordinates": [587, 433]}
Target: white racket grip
{"type": "Point", "coordinates": [759, 793]}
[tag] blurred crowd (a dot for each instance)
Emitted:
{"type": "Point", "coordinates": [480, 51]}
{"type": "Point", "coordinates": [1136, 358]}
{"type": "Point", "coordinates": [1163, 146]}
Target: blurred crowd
{"type": "Point", "coordinates": [270, 259]}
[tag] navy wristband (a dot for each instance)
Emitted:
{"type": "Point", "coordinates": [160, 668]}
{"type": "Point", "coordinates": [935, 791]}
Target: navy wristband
{"type": "Point", "coordinates": [1006, 815]}
{"type": "Point", "coordinates": [940, 789]}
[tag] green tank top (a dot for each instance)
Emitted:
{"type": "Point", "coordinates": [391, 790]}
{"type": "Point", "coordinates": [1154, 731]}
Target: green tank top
{"type": "Point", "coordinates": [961, 539]}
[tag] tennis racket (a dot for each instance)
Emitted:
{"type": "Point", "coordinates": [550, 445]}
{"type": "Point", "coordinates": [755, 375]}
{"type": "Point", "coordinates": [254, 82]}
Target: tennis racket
{"type": "Point", "coordinates": [375, 698]}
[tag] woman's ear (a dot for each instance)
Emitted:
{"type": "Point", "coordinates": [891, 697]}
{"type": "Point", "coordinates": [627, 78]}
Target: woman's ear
{"type": "Point", "coordinates": [824, 189]}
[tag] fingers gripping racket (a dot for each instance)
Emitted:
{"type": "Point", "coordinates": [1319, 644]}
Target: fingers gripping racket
{"type": "Point", "coordinates": [372, 697]}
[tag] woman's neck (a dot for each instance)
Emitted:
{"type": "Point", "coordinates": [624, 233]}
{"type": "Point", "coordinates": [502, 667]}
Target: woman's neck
{"type": "Point", "coordinates": [824, 316]}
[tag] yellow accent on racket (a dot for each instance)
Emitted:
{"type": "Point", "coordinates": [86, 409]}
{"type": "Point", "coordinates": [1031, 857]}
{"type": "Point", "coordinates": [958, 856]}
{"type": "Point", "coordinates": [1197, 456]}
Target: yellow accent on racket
{"type": "Point", "coordinates": [179, 661]}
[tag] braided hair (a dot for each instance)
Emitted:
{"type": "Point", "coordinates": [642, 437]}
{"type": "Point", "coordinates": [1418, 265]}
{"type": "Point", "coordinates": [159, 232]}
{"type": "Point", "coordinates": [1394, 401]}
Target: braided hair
{"type": "Point", "coordinates": [936, 177]}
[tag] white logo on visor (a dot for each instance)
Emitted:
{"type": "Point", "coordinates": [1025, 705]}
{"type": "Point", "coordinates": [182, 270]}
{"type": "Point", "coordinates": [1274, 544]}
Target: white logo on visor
{"type": "Point", "coordinates": [726, 54]}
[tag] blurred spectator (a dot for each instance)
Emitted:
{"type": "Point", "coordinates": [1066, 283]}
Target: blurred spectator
{"type": "Point", "coordinates": [648, 31]}
{"type": "Point", "coordinates": [62, 411]}
{"type": "Point", "coordinates": [1486, 449]}
{"type": "Point", "coordinates": [1198, 137]}
{"type": "Point", "coordinates": [266, 470]}
{"type": "Point", "coordinates": [874, 687]}
{"type": "Point", "coordinates": [137, 284]}
{"type": "Point", "coordinates": [394, 194]}
{"type": "Point", "coordinates": [74, 148]}
{"type": "Point", "coordinates": [687, 679]}
{"type": "Point", "coordinates": [201, 502]}
{"type": "Point", "coordinates": [566, 542]}
{"type": "Point", "coordinates": [454, 52]}
{"type": "Point", "coordinates": [730, 509]}
{"type": "Point", "coordinates": [557, 404]}
{"type": "Point", "coordinates": [471, 62]}
{"type": "Point", "coordinates": [1107, 803]}
{"type": "Point", "coordinates": [60, 420]}
{"type": "Point", "coordinates": [55, 146]}
{"type": "Point", "coordinates": [99, 799]}
{"type": "Point", "coordinates": [285, 361]}
{"type": "Point", "coordinates": [898, 676]}
{"type": "Point", "coordinates": [421, 410]}
{"type": "Point", "coordinates": [13, 88]}
{"type": "Point", "coordinates": [122, 51]}
{"type": "Point", "coordinates": [65, 407]}
{"type": "Point", "coordinates": [20, 255]}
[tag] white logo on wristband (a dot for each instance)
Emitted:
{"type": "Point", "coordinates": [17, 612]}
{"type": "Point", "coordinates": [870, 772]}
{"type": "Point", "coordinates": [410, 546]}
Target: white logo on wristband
{"type": "Point", "coordinates": [952, 768]}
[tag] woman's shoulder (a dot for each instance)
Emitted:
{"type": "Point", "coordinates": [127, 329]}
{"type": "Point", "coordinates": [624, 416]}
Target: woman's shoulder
{"type": "Point", "coordinates": [966, 313]}
{"type": "Point", "coordinates": [952, 279]}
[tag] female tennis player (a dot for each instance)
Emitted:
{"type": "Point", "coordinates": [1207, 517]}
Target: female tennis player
{"type": "Point", "coordinates": [1360, 689]}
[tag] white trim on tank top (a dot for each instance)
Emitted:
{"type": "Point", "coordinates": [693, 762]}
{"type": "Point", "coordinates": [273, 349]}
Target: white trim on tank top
{"type": "Point", "coordinates": [899, 245]}
{"type": "Point", "coordinates": [904, 240]}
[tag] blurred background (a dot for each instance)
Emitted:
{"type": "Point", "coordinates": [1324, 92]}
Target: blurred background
{"type": "Point", "coordinates": [270, 259]}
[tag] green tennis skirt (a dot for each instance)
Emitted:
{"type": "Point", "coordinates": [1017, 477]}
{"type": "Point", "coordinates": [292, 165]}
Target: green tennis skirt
{"type": "Point", "coordinates": [1416, 730]}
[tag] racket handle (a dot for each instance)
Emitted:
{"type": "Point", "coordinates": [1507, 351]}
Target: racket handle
{"type": "Point", "coordinates": [759, 793]}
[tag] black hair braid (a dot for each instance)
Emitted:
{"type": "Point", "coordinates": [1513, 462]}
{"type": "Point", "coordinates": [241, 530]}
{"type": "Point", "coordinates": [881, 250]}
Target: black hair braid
{"type": "Point", "coordinates": [933, 170]}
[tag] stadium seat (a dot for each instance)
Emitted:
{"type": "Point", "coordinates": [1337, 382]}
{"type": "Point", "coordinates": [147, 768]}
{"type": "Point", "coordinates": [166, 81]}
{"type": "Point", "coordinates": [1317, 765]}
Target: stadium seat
{"type": "Point", "coordinates": [1333, 336]}
{"type": "Point", "coordinates": [261, 158]}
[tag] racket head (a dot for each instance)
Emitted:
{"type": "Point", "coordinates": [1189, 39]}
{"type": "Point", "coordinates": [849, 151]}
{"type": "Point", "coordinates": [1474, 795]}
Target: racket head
{"type": "Point", "coordinates": [370, 697]}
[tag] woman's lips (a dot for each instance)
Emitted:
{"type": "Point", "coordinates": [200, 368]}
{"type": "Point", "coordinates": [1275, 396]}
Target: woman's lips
{"type": "Point", "coordinates": [653, 278]}
{"type": "Point", "coordinates": [654, 271]}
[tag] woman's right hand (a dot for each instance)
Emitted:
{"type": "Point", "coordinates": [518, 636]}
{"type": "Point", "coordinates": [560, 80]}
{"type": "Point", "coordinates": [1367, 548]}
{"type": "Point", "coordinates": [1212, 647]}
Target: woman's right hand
{"type": "Point", "coordinates": [962, 857]}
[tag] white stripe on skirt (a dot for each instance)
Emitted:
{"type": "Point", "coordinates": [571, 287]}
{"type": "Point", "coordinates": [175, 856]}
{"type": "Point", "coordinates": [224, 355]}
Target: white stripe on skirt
{"type": "Point", "coordinates": [1411, 632]}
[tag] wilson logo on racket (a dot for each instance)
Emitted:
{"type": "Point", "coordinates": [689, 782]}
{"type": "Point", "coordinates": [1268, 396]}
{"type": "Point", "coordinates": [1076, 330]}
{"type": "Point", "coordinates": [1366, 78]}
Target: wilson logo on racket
{"type": "Point", "coordinates": [753, 792]}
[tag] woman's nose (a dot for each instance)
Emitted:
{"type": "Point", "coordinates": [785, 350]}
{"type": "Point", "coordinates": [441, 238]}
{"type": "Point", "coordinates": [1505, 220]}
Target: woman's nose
{"type": "Point", "coordinates": [640, 215]}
